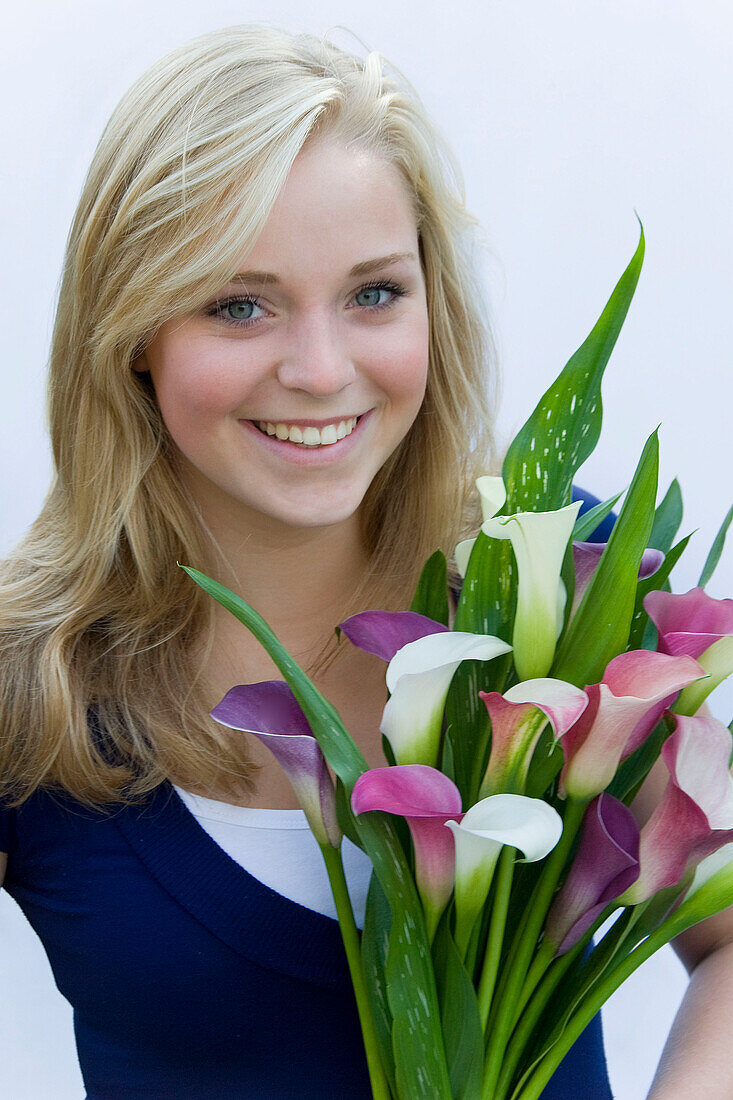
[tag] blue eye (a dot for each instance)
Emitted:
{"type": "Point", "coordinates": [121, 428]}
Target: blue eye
{"type": "Point", "coordinates": [372, 292]}
{"type": "Point", "coordinates": [236, 310]}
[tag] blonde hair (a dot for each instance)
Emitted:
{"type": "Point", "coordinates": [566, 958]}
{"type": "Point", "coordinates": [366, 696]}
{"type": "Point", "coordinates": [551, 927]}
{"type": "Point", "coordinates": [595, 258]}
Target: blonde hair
{"type": "Point", "coordinates": [94, 615]}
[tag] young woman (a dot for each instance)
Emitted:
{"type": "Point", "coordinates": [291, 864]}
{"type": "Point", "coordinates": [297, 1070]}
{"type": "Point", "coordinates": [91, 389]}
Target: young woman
{"type": "Point", "coordinates": [269, 362]}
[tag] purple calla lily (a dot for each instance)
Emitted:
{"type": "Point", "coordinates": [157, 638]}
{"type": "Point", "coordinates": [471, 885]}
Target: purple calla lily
{"type": "Point", "coordinates": [606, 864]}
{"type": "Point", "coordinates": [426, 798]}
{"type": "Point", "coordinates": [517, 720]}
{"type": "Point", "coordinates": [696, 624]}
{"type": "Point", "coordinates": [694, 817]}
{"type": "Point", "coordinates": [587, 556]}
{"type": "Point", "coordinates": [270, 711]}
{"type": "Point", "coordinates": [622, 711]}
{"type": "Point", "coordinates": [384, 632]}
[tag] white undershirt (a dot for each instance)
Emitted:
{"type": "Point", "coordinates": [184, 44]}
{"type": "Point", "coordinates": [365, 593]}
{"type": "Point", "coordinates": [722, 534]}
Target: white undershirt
{"type": "Point", "coordinates": [277, 848]}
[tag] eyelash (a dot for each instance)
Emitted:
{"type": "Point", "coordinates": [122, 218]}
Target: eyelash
{"type": "Point", "coordinates": [217, 310]}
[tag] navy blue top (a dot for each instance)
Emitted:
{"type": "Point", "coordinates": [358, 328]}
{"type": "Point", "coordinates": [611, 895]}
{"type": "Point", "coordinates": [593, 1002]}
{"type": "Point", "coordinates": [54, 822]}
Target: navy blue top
{"type": "Point", "coordinates": [189, 977]}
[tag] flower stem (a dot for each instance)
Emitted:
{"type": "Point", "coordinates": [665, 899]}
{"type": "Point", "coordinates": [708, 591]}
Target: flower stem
{"type": "Point", "coordinates": [598, 996]}
{"type": "Point", "coordinates": [539, 904]}
{"type": "Point", "coordinates": [352, 945]}
{"type": "Point", "coordinates": [499, 909]}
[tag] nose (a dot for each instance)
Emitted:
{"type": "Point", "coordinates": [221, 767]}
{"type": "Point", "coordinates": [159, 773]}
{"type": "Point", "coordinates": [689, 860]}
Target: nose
{"type": "Point", "coordinates": [317, 360]}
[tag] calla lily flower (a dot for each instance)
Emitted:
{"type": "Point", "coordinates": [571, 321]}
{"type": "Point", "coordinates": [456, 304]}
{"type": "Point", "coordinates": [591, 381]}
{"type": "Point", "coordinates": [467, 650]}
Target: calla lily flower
{"type": "Point", "coordinates": [418, 675]}
{"type": "Point", "coordinates": [426, 798]}
{"type": "Point", "coordinates": [270, 711]}
{"type": "Point", "coordinates": [492, 492]}
{"type": "Point", "coordinates": [385, 632]}
{"type": "Point", "coordinates": [622, 711]}
{"type": "Point", "coordinates": [539, 541]}
{"type": "Point", "coordinates": [606, 864]}
{"type": "Point", "coordinates": [719, 864]}
{"type": "Point", "coordinates": [525, 823]}
{"type": "Point", "coordinates": [586, 557]}
{"type": "Point", "coordinates": [517, 720]}
{"type": "Point", "coordinates": [701, 626]}
{"type": "Point", "coordinates": [694, 817]}
{"type": "Point", "coordinates": [689, 623]}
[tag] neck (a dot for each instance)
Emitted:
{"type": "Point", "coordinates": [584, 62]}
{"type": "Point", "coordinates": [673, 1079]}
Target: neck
{"type": "Point", "coordinates": [301, 580]}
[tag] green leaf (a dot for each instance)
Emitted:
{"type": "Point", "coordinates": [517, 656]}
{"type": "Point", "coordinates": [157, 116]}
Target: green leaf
{"type": "Point", "coordinates": [586, 524]}
{"type": "Point", "coordinates": [417, 1033]}
{"type": "Point", "coordinates": [485, 606]}
{"type": "Point", "coordinates": [459, 1011]}
{"type": "Point", "coordinates": [488, 595]}
{"type": "Point", "coordinates": [431, 594]}
{"type": "Point", "coordinates": [667, 519]}
{"type": "Point", "coordinates": [541, 462]}
{"type": "Point", "coordinates": [640, 636]}
{"type": "Point", "coordinates": [374, 948]}
{"type": "Point", "coordinates": [600, 628]}
{"type": "Point", "coordinates": [715, 550]}
{"type": "Point", "coordinates": [547, 761]}
{"type": "Point", "coordinates": [344, 813]}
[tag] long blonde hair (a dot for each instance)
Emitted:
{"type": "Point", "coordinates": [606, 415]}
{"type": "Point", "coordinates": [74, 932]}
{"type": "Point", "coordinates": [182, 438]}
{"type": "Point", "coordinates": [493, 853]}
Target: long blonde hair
{"type": "Point", "coordinates": [94, 615]}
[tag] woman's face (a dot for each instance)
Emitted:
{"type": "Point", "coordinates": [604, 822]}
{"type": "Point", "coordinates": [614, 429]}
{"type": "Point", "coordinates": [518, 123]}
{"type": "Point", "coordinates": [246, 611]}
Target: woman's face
{"type": "Point", "coordinates": [327, 322]}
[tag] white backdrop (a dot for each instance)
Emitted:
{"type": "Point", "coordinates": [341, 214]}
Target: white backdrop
{"type": "Point", "coordinates": [567, 116]}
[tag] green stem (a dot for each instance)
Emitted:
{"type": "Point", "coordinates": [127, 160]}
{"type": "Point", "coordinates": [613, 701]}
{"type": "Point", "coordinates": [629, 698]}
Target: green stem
{"type": "Point", "coordinates": [539, 998]}
{"type": "Point", "coordinates": [539, 904]}
{"type": "Point", "coordinates": [600, 992]}
{"type": "Point", "coordinates": [352, 945]}
{"type": "Point", "coordinates": [541, 961]}
{"type": "Point", "coordinates": [499, 909]}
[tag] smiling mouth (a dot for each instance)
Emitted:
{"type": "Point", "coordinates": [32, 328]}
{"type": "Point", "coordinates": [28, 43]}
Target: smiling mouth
{"type": "Point", "coordinates": [308, 436]}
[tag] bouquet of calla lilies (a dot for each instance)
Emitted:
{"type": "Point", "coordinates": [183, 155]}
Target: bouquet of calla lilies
{"type": "Point", "coordinates": [515, 740]}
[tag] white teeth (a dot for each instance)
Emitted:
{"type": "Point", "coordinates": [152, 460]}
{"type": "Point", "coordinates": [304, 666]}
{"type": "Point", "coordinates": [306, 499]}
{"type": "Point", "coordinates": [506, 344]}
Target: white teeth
{"type": "Point", "coordinates": [309, 437]}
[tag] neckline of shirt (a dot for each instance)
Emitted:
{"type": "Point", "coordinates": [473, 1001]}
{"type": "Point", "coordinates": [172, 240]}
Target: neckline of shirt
{"type": "Point", "coordinates": [248, 817]}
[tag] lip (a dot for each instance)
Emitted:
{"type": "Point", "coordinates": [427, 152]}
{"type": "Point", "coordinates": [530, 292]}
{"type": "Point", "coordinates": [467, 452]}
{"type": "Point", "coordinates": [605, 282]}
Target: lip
{"type": "Point", "coordinates": [299, 455]}
{"type": "Point", "coordinates": [305, 423]}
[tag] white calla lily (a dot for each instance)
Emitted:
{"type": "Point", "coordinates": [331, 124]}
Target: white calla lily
{"type": "Point", "coordinates": [418, 678]}
{"type": "Point", "coordinates": [493, 495]}
{"type": "Point", "coordinates": [501, 819]}
{"type": "Point", "coordinates": [539, 541]}
{"type": "Point", "coordinates": [462, 553]}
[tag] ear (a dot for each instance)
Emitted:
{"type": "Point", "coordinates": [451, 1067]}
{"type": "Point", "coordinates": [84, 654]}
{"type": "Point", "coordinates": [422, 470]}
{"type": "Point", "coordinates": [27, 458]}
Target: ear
{"type": "Point", "coordinates": [140, 364]}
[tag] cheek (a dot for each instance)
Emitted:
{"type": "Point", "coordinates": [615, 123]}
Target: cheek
{"type": "Point", "coordinates": [192, 392]}
{"type": "Point", "coordinates": [408, 377]}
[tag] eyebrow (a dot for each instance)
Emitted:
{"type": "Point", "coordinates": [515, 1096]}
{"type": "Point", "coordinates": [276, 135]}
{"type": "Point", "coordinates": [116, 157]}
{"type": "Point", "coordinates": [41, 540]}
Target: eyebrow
{"type": "Point", "coordinates": [366, 267]}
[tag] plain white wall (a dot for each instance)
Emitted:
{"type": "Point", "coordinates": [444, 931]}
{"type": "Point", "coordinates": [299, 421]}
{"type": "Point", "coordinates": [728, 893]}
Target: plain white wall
{"type": "Point", "coordinates": [566, 117]}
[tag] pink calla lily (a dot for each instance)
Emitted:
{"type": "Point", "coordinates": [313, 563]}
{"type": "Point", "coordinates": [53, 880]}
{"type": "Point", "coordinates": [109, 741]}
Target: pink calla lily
{"type": "Point", "coordinates": [622, 711]}
{"type": "Point", "coordinates": [696, 624]}
{"type": "Point", "coordinates": [587, 556]}
{"type": "Point", "coordinates": [605, 865]}
{"type": "Point", "coordinates": [426, 798]}
{"type": "Point", "coordinates": [694, 817]}
{"type": "Point", "coordinates": [689, 623]}
{"type": "Point", "coordinates": [270, 711]}
{"type": "Point", "coordinates": [423, 656]}
{"type": "Point", "coordinates": [517, 720]}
